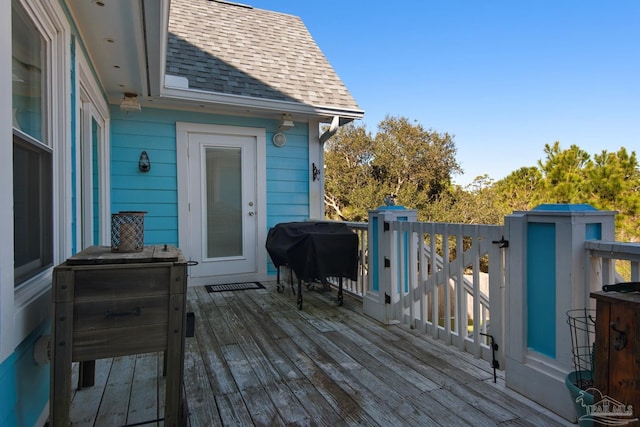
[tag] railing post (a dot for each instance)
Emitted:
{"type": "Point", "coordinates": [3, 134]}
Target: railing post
{"type": "Point", "coordinates": [377, 301]}
{"type": "Point", "coordinates": [547, 276]}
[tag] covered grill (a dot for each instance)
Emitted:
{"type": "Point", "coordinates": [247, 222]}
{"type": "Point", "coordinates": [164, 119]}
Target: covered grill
{"type": "Point", "coordinates": [315, 251]}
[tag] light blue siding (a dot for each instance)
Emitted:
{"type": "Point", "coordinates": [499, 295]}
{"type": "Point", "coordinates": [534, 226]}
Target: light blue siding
{"type": "Point", "coordinates": [156, 192]}
{"type": "Point", "coordinates": [20, 376]}
{"type": "Point", "coordinates": [288, 179]}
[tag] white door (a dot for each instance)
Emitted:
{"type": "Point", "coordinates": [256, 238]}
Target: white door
{"type": "Point", "coordinates": [223, 207]}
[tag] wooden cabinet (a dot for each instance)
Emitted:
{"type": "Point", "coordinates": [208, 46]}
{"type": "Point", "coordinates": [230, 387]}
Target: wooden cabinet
{"type": "Point", "coordinates": [617, 347]}
{"type": "Point", "coordinates": [109, 304]}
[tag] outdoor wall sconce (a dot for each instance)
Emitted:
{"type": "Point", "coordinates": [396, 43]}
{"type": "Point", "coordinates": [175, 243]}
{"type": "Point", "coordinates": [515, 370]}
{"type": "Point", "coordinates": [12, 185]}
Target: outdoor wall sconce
{"type": "Point", "coordinates": [315, 172]}
{"type": "Point", "coordinates": [279, 139]}
{"type": "Point", "coordinates": [286, 123]}
{"type": "Point", "coordinates": [144, 164]}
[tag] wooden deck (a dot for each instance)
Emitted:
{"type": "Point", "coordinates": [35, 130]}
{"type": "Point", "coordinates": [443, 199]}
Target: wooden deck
{"type": "Point", "coordinates": [258, 360]}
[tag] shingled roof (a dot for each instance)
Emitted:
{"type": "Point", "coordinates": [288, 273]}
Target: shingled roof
{"type": "Point", "coordinates": [235, 49]}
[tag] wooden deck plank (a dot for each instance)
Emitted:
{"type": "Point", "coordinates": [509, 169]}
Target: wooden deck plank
{"type": "Point", "coordinates": [314, 403]}
{"type": "Point", "coordinates": [240, 368]}
{"type": "Point", "coordinates": [220, 377]}
{"type": "Point", "coordinates": [203, 411]}
{"type": "Point", "coordinates": [162, 386]}
{"type": "Point", "coordinates": [336, 397]}
{"type": "Point", "coordinates": [113, 409]}
{"type": "Point", "coordinates": [491, 410]}
{"type": "Point", "coordinates": [248, 331]}
{"type": "Point", "coordinates": [257, 360]}
{"type": "Point", "coordinates": [207, 308]}
{"type": "Point", "coordinates": [233, 411]}
{"type": "Point", "coordinates": [261, 407]}
{"type": "Point", "coordinates": [418, 373]}
{"type": "Point", "coordinates": [287, 404]}
{"type": "Point", "coordinates": [340, 373]}
{"type": "Point", "coordinates": [265, 343]}
{"type": "Point", "coordinates": [143, 403]}
{"type": "Point", "coordinates": [443, 370]}
{"type": "Point", "coordinates": [86, 402]}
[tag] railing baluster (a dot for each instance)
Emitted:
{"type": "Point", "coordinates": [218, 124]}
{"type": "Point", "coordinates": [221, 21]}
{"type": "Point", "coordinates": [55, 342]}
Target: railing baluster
{"type": "Point", "coordinates": [431, 287]}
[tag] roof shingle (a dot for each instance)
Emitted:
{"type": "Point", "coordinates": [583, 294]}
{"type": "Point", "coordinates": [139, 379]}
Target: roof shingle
{"type": "Point", "coordinates": [234, 49]}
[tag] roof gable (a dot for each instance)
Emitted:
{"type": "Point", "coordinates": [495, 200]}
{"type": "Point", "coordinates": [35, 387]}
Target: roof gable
{"type": "Point", "coordinates": [234, 49]}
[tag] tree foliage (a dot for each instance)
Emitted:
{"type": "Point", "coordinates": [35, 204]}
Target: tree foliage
{"type": "Point", "coordinates": [606, 181]}
{"type": "Point", "coordinates": [520, 190]}
{"type": "Point", "coordinates": [418, 164]}
{"type": "Point", "coordinates": [403, 159]}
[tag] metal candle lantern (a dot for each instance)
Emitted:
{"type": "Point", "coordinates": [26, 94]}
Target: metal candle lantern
{"type": "Point", "coordinates": [127, 231]}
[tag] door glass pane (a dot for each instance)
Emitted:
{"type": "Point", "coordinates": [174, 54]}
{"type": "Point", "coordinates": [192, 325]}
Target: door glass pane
{"type": "Point", "coordinates": [223, 177]}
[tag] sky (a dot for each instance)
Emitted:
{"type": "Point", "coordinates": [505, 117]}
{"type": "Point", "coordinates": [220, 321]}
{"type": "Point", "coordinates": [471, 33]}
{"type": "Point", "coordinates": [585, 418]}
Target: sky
{"type": "Point", "coordinates": [503, 77]}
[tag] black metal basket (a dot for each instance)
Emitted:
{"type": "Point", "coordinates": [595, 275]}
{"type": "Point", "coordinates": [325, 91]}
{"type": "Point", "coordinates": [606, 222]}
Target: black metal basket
{"type": "Point", "coordinates": [582, 324]}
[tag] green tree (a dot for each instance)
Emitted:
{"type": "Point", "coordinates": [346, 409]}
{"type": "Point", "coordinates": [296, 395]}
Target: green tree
{"type": "Point", "coordinates": [521, 190]}
{"type": "Point", "coordinates": [348, 184]}
{"type": "Point", "coordinates": [564, 173]}
{"type": "Point", "coordinates": [414, 163]}
{"type": "Point", "coordinates": [614, 184]}
{"type": "Point", "coordinates": [402, 159]}
{"type": "Point", "coordinates": [476, 203]}
{"type": "Point", "coordinates": [608, 181]}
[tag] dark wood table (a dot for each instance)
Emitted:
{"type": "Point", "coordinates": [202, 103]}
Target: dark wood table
{"type": "Point", "coordinates": [108, 304]}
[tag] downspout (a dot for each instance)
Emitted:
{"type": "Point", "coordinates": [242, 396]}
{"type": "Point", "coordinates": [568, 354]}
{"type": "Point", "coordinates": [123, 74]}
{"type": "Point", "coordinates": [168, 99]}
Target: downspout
{"type": "Point", "coordinates": [317, 170]}
{"type": "Point", "coordinates": [335, 124]}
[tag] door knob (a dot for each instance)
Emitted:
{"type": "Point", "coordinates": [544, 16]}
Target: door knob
{"type": "Point", "coordinates": [252, 213]}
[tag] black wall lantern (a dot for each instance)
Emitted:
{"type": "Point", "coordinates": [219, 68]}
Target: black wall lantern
{"type": "Point", "coordinates": [144, 164]}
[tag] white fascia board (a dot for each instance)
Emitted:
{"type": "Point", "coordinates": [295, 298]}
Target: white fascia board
{"type": "Point", "coordinates": [255, 104]}
{"type": "Point", "coordinates": [156, 19]}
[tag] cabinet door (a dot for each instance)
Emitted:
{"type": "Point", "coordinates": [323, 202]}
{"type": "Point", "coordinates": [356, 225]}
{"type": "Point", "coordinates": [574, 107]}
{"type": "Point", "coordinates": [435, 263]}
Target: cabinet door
{"type": "Point", "coordinates": [623, 354]}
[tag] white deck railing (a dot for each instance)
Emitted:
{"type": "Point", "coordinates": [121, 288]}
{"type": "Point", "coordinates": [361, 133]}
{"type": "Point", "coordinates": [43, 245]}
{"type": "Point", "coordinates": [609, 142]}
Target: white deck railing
{"type": "Point", "coordinates": [472, 293]}
{"type": "Point", "coordinates": [606, 258]}
{"type": "Point", "coordinates": [359, 286]}
{"type": "Point", "coordinates": [460, 299]}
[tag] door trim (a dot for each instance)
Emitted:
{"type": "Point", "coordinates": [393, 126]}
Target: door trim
{"type": "Point", "coordinates": [183, 129]}
{"type": "Point", "coordinates": [91, 105]}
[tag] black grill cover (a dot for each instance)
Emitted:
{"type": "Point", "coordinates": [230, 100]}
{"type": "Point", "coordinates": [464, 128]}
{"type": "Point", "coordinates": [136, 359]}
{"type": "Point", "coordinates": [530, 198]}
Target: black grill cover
{"type": "Point", "coordinates": [315, 250]}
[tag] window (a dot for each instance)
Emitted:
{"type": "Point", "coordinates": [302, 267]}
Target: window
{"type": "Point", "coordinates": [32, 156]}
{"type": "Point", "coordinates": [32, 224]}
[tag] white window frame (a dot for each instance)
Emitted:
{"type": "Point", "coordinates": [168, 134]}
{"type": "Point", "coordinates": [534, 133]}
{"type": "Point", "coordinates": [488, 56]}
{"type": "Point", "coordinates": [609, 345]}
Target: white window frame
{"type": "Point", "coordinates": [24, 308]}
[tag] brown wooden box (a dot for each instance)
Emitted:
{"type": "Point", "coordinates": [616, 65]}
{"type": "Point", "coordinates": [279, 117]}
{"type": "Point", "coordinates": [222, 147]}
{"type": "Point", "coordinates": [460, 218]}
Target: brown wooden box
{"type": "Point", "coordinates": [617, 367]}
{"type": "Point", "coordinates": [108, 304]}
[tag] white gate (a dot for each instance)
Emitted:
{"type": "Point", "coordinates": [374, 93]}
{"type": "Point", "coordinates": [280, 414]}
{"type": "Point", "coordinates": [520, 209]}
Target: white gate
{"type": "Point", "coordinates": [447, 280]}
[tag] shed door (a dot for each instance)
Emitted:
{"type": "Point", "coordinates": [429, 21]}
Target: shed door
{"type": "Point", "coordinates": [222, 211]}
